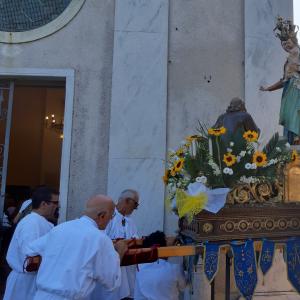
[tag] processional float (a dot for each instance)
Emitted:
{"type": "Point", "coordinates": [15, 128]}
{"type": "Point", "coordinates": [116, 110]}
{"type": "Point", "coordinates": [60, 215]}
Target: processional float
{"type": "Point", "coordinates": [234, 195]}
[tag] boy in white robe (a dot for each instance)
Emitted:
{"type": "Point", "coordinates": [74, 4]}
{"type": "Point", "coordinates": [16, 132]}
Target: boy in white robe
{"type": "Point", "coordinates": [76, 255]}
{"type": "Point", "coordinates": [21, 285]}
{"type": "Point", "coordinates": [122, 227]}
{"type": "Point", "coordinates": [160, 280]}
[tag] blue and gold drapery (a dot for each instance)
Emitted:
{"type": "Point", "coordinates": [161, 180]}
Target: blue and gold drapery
{"type": "Point", "coordinates": [244, 257]}
{"type": "Point", "coordinates": [293, 262]}
{"type": "Point", "coordinates": [211, 260]}
{"type": "Point", "coordinates": [266, 256]}
{"type": "Point", "coordinates": [245, 267]}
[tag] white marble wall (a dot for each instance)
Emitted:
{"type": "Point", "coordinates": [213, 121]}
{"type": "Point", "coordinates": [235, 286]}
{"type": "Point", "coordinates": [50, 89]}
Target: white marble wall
{"type": "Point", "coordinates": [205, 68]}
{"type": "Point", "coordinates": [264, 59]}
{"type": "Point", "coordinates": [137, 144]}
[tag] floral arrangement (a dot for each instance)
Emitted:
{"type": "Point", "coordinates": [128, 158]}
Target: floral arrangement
{"type": "Point", "coordinates": [217, 159]}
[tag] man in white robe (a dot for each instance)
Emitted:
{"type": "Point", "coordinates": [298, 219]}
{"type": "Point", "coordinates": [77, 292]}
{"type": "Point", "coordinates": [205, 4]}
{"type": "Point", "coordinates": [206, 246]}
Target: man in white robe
{"type": "Point", "coordinates": [21, 285]}
{"type": "Point", "coordinates": [122, 227]}
{"type": "Point", "coordinates": [76, 255]}
{"type": "Point", "coordinates": [160, 280]}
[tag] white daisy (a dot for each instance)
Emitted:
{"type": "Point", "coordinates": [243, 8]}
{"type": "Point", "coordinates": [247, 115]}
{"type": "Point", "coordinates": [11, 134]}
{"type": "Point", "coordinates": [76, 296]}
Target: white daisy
{"type": "Point", "coordinates": [243, 153]}
{"type": "Point", "coordinates": [248, 166]}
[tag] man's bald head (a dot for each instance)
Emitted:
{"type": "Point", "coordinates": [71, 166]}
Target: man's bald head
{"type": "Point", "coordinates": [98, 202]}
{"type": "Point", "coordinates": [100, 208]}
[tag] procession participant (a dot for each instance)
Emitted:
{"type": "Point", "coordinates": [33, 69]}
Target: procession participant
{"type": "Point", "coordinates": [161, 279]}
{"type": "Point", "coordinates": [26, 209]}
{"type": "Point", "coordinates": [76, 255]}
{"type": "Point", "coordinates": [21, 285]}
{"type": "Point", "coordinates": [122, 227]}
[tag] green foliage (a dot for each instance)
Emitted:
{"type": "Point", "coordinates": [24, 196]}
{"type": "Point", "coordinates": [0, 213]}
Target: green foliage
{"type": "Point", "coordinates": [203, 157]}
{"type": "Point", "coordinates": [272, 144]}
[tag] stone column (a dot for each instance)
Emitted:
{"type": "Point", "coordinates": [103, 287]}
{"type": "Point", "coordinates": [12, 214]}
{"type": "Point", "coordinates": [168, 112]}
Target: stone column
{"type": "Point", "coordinates": [137, 144]}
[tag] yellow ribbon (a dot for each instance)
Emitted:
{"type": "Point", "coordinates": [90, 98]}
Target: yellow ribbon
{"type": "Point", "coordinates": [188, 205]}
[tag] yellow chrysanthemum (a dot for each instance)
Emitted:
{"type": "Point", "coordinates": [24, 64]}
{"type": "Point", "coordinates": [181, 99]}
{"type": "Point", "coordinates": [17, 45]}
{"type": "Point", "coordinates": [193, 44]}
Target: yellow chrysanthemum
{"type": "Point", "coordinates": [229, 159]}
{"type": "Point", "coordinates": [166, 177]}
{"type": "Point", "coordinates": [259, 158]}
{"type": "Point", "coordinates": [178, 165]}
{"type": "Point", "coordinates": [180, 152]}
{"type": "Point", "coordinates": [250, 136]}
{"type": "Point", "coordinates": [217, 131]}
{"type": "Point", "coordinates": [294, 155]}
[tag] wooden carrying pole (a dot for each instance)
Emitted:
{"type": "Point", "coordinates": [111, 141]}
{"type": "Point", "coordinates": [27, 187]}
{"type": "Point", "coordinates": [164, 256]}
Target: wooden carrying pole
{"type": "Point", "coordinates": [199, 249]}
{"type": "Point", "coordinates": [143, 255]}
{"type": "Point", "coordinates": [179, 251]}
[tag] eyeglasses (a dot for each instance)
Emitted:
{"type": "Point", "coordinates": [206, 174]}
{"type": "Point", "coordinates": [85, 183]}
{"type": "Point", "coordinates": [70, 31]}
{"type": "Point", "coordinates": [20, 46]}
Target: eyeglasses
{"type": "Point", "coordinates": [136, 204]}
{"type": "Point", "coordinates": [105, 212]}
{"type": "Point", "coordinates": [53, 202]}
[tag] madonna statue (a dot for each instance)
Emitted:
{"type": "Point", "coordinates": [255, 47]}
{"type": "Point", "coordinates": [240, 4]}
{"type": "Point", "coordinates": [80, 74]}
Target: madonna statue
{"type": "Point", "coordinates": [290, 83]}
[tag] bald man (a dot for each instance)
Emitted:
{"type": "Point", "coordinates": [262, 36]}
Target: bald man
{"type": "Point", "coordinates": [121, 227]}
{"type": "Point", "coordinates": [76, 255]}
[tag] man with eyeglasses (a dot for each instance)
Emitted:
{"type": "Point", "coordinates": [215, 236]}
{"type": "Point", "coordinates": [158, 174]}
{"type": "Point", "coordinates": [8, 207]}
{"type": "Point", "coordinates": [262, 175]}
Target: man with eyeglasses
{"type": "Point", "coordinates": [76, 255]}
{"type": "Point", "coordinates": [122, 227]}
{"type": "Point", "coordinates": [21, 285]}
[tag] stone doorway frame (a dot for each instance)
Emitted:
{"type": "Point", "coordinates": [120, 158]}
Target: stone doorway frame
{"type": "Point", "coordinates": [68, 76]}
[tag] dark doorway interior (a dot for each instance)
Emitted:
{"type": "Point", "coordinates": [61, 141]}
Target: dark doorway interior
{"type": "Point", "coordinates": [35, 147]}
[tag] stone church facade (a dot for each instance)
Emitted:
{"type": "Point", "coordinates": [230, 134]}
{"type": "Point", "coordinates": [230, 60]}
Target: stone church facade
{"type": "Point", "coordinates": [139, 74]}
